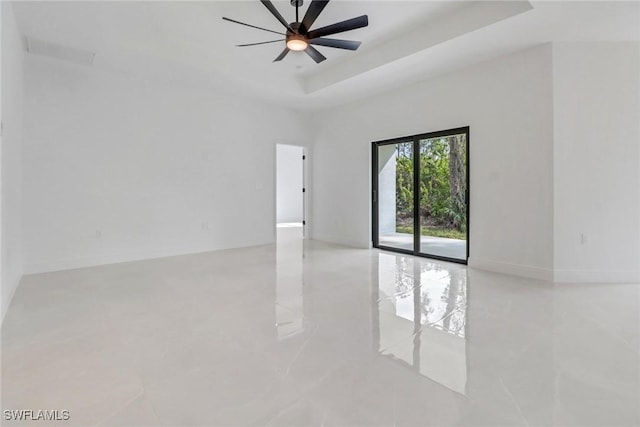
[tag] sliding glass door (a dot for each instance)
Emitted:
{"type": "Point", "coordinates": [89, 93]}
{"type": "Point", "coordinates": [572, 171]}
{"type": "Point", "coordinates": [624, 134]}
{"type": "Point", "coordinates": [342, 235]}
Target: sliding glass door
{"type": "Point", "coordinates": [421, 194]}
{"type": "Point", "coordinates": [395, 195]}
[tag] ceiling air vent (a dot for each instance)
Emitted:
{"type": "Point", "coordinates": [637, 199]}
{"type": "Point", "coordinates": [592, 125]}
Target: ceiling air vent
{"type": "Point", "coordinates": [58, 51]}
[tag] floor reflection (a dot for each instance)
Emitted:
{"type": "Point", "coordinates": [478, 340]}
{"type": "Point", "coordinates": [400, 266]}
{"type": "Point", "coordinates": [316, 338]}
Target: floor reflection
{"type": "Point", "coordinates": [289, 281]}
{"type": "Point", "coordinates": [421, 317]}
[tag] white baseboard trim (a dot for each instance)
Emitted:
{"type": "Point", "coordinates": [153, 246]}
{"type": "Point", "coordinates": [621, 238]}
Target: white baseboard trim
{"type": "Point", "coordinates": [93, 261]}
{"type": "Point", "coordinates": [556, 275]}
{"type": "Point", "coordinates": [531, 272]}
{"type": "Point", "coordinates": [596, 276]}
{"type": "Point", "coordinates": [341, 241]}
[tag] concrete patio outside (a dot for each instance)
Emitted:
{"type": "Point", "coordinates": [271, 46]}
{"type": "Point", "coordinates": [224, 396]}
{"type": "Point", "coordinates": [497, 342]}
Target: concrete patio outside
{"type": "Point", "coordinates": [439, 246]}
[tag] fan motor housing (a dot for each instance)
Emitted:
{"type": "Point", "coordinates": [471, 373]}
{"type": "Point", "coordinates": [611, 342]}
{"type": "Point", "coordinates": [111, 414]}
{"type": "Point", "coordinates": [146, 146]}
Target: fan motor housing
{"type": "Point", "coordinates": [297, 28]}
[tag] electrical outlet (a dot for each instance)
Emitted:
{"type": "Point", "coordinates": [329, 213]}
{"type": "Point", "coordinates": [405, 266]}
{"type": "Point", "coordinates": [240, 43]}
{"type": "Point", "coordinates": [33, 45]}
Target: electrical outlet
{"type": "Point", "coordinates": [583, 239]}
{"type": "Point", "coordinates": [98, 234]}
{"type": "Point", "coordinates": [205, 225]}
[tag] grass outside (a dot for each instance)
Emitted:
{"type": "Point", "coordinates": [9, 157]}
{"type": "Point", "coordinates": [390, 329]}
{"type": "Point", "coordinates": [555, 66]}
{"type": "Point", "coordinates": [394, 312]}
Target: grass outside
{"type": "Point", "coordinates": [449, 233]}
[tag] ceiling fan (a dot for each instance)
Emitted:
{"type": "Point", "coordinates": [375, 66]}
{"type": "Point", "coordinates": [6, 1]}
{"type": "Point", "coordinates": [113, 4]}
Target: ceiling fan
{"type": "Point", "coordinates": [299, 36]}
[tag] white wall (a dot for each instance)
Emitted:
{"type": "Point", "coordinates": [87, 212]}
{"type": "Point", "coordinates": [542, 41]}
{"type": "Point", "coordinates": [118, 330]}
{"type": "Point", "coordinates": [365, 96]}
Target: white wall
{"type": "Point", "coordinates": [117, 169]}
{"type": "Point", "coordinates": [11, 155]}
{"type": "Point", "coordinates": [387, 189]}
{"type": "Point", "coordinates": [507, 103]}
{"type": "Point", "coordinates": [597, 167]}
{"type": "Point", "coordinates": [289, 183]}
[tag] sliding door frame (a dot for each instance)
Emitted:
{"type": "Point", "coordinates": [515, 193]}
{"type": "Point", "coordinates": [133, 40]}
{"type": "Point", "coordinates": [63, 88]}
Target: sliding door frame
{"type": "Point", "coordinates": [415, 139]}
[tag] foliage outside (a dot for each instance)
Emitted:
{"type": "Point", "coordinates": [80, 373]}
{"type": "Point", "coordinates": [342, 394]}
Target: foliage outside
{"type": "Point", "coordinates": [449, 233]}
{"type": "Point", "coordinates": [443, 187]}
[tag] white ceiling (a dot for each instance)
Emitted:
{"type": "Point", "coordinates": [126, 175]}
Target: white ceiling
{"type": "Point", "coordinates": [188, 43]}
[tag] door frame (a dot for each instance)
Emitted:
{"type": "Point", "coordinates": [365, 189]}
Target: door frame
{"type": "Point", "coordinates": [415, 139]}
{"type": "Point", "coordinates": [304, 189]}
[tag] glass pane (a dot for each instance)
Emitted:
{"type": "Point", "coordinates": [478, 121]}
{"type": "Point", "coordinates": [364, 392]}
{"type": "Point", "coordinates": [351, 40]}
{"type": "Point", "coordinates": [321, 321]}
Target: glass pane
{"type": "Point", "coordinates": [395, 195]}
{"type": "Point", "coordinates": [443, 196]}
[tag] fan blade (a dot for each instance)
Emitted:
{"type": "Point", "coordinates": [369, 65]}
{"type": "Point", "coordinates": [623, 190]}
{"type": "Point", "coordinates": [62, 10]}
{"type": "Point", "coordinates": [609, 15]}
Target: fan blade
{"type": "Point", "coordinates": [282, 55]}
{"type": "Point", "coordinates": [340, 27]}
{"type": "Point", "coordinates": [256, 44]}
{"type": "Point", "coordinates": [340, 44]}
{"type": "Point", "coordinates": [252, 26]}
{"type": "Point", "coordinates": [315, 8]}
{"type": "Point", "coordinates": [275, 13]}
{"type": "Point", "coordinates": [317, 56]}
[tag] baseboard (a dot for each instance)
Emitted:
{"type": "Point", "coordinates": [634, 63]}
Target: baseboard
{"type": "Point", "coordinates": [341, 241]}
{"type": "Point", "coordinates": [530, 272]}
{"type": "Point", "coordinates": [596, 276]}
{"type": "Point", "coordinates": [93, 261]}
{"type": "Point", "coordinates": [557, 275]}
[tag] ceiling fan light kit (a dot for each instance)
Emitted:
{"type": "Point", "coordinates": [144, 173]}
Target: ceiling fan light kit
{"type": "Point", "coordinates": [299, 36]}
{"type": "Point", "coordinates": [296, 42]}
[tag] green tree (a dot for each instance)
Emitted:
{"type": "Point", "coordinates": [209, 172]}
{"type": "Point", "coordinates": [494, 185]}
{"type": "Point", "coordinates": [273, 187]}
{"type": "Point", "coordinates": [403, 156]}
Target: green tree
{"type": "Point", "coordinates": [443, 182]}
{"type": "Point", "coordinates": [457, 211]}
{"type": "Point", "coordinates": [404, 181]}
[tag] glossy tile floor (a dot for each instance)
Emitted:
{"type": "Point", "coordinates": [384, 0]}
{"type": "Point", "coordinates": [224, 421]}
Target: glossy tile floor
{"type": "Point", "coordinates": [319, 335]}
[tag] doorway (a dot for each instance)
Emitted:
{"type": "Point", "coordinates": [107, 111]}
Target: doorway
{"type": "Point", "coordinates": [420, 195]}
{"type": "Point", "coordinates": [290, 192]}
{"type": "Point", "coordinates": [290, 234]}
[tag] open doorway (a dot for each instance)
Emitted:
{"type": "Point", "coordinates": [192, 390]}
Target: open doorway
{"type": "Point", "coordinates": [290, 191]}
{"type": "Point", "coordinates": [290, 233]}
